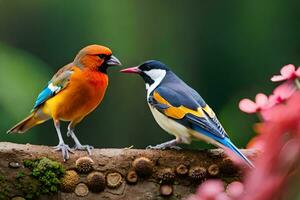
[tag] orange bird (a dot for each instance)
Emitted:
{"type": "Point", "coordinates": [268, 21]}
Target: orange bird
{"type": "Point", "coordinates": [73, 92]}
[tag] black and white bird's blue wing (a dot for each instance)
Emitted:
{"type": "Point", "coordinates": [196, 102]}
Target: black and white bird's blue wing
{"type": "Point", "coordinates": [176, 100]}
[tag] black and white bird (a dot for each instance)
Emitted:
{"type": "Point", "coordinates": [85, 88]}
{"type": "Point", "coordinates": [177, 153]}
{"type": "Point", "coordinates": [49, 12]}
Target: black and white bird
{"type": "Point", "coordinates": [180, 110]}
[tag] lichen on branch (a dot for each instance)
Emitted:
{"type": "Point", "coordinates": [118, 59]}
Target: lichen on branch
{"type": "Point", "coordinates": [31, 171]}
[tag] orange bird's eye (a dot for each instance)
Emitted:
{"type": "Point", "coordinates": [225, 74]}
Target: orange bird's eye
{"type": "Point", "coordinates": [101, 56]}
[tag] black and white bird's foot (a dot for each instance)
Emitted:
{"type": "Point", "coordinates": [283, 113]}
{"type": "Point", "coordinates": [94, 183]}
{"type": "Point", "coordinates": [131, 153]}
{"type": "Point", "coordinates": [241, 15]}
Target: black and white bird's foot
{"type": "Point", "coordinates": [163, 147]}
{"type": "Point", "coordinates": [169, 144]}
{"type": "Point", "coordinates": [65, 149]}
{"type": "Point", "coordinates": [175, 147]}
{"type": "Point", "coordinates": [87, 148]}
{"type": "Point", "coordinates": [150, 147]}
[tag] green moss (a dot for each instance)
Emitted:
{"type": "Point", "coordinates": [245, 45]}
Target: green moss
{"type": "Point", "coordinates": [4, 190]}
{"type": "Point", "coordinates": [20, 175]}
{"type": "Point", "coordinates": [47, 172]}
{"type": "Point", "coordinates": [2, 178]}
{"type": "Point", "coordinates": [40, 178]}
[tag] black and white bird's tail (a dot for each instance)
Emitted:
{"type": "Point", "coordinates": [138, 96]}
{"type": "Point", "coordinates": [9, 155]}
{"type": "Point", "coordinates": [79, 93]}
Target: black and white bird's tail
{"type": "Point", "coordinates": [224, 142]}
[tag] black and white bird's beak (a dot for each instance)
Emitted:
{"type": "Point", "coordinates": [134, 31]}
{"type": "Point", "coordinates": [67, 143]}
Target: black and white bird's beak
{"type": "Point", "coordinates": [131, 70]}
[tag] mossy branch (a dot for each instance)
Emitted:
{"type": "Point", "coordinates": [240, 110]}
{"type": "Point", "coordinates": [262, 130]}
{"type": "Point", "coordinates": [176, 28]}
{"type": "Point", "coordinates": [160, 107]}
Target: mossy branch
{"type": "Point", "coordinates": [127, 174]}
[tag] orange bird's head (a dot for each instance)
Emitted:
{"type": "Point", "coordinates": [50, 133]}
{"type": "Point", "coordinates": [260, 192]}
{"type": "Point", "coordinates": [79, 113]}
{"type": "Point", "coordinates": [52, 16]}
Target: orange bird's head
{"type": "Point", "coordinates": [96, 57]}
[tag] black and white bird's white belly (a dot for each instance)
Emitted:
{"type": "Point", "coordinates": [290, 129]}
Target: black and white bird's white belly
{"type": "Point", "coordinates": [178, 130]}
{"type": "Point", "coordinates": [171, 126]}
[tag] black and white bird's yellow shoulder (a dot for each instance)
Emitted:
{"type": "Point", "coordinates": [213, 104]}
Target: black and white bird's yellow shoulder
{"type": "Point", "coordinates": [178, 101]}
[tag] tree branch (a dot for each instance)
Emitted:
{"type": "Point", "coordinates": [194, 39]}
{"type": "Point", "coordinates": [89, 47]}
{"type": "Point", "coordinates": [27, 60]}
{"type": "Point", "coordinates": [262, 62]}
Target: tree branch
{"type": "Point", "coordinates": [128, 174]}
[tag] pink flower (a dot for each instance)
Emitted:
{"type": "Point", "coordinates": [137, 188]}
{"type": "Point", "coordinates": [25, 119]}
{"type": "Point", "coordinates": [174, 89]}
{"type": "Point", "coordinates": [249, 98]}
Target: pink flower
{"type": "Point", "coordinates": [235, 189]}
{"type": "Point", "coordinates": [271, 179]}
{"type": "Point", "coordinates": [222, 196]}
{"type": "Point", "coordinates": [248, 106]}
{"type": "Point", "coordinates": [287, 72]}
{"type": "Point", "coordinates": [212, 190]}
{"type": "Point", "coordinates": [284, 112]}
{"type": "Point", "coordinates": [209, 190]}
{"type": "Point", "coordinates": [283, 92]}
{"type": "Point", "coordinates": [256, 143]}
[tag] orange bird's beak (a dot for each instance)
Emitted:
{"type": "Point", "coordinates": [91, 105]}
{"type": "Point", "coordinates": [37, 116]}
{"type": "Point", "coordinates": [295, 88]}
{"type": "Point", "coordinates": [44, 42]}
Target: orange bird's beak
{"type": "Point", "coordinates": [132, 70]}
{"type": "Point", "coordinates": [113, 61]}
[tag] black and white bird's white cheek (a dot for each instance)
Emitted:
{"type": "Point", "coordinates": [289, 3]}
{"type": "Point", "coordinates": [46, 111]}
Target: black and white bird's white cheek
{"type": "Point", "coordinates": [157, 75]}
{"type": "Point", "coordinates": [147, 86]}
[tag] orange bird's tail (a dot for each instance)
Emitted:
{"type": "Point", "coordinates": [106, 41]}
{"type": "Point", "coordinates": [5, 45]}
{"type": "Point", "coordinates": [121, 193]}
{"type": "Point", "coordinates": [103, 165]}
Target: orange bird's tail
{"type": "Point", "coordinates": [26, 124]}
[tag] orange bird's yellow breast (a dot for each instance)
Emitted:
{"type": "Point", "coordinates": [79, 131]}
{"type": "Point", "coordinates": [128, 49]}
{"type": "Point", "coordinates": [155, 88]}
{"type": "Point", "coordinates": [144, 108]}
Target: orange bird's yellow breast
{"type": "Point", "coordinates": [83, 94]}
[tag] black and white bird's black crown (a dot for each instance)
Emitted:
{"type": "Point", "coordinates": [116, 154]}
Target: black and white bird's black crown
{"type": "Point", "coordinates": [152, 71]}
{"type": "Point", "coordinates": [153, 64]}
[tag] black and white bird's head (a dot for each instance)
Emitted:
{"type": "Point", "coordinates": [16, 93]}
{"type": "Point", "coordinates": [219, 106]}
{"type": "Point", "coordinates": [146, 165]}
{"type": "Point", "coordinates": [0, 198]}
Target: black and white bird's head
{"type": "Point", "coordinates": [152, 71]}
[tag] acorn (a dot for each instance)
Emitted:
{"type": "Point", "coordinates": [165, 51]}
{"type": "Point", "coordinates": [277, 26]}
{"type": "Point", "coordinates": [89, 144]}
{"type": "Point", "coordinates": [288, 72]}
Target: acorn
{"type": "Point", "coordinates": [213, 170]}
{"type": "Point", "coordinates": [96, 182]}
{"type": "Point", "coordinates": [197, 173]}
{"type": "Point", "coordinates": [84, 164]}
{"type": "Point", "coordinates": [114, 180]}
{"type": "Point", "coordinates": [166, 190]}
{"type": "Point", "coordinates": [182, 170]}
{"type": "Point", "coordinates": [81, 190]}
{"type": "Point", "coordinates": [143, 166]}
{"type": "Point", "coordinates": [166, 175]}
{"type": "Point", "coordinates": [132, 177]}
{"type": "Point", "coordinates": [69, 181]}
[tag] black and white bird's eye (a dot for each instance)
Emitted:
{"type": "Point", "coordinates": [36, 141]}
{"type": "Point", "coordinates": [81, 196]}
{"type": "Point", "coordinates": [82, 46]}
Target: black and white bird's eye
{"type": "Point", "coordinates": [101, 56]}
{"type": "Point", "coordinates": [145, 68]}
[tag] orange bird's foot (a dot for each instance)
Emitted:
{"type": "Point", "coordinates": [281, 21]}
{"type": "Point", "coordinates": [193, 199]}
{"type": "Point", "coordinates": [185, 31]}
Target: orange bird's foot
{"type": "Point", "coordinates": [88, 148]}
{"type": "Point", "coordinates": [65, 149]}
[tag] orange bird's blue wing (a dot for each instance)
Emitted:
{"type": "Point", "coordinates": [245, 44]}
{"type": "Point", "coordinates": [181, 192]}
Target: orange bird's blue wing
{"type": "Point", "coordinates": [59, 81]}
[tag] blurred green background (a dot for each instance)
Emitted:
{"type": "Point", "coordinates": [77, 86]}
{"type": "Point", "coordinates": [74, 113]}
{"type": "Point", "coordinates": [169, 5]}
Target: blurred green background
{"type": "Point", "coordinates": [226, 50]}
